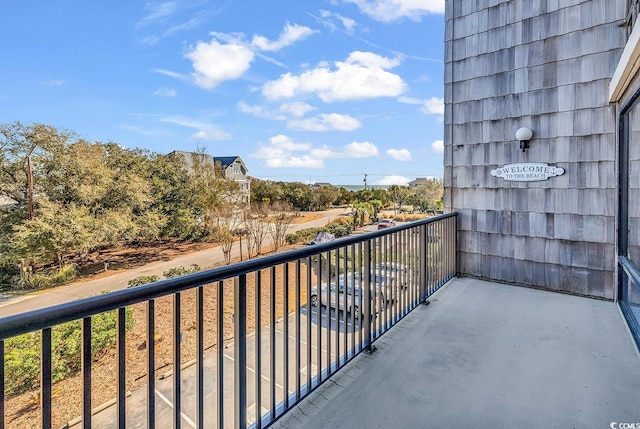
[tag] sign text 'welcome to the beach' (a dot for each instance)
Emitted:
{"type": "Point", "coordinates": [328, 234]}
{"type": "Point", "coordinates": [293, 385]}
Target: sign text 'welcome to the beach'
{"type": "Point", "coordinates": [527, 172]}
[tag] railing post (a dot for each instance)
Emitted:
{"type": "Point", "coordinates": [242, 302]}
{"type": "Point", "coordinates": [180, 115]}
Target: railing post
{"type": "Point", "coordinates": [240, 351]}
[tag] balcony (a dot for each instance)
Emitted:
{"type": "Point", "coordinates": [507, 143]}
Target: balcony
{"type": "Point", "coordinates": [249, 346]}
{"type": "Point", "coordinates": [488, 355]}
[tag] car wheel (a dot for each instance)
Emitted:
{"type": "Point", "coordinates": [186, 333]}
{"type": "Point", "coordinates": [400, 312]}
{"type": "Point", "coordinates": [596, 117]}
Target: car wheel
{"type": "Point", "coordinates": [314, 300]}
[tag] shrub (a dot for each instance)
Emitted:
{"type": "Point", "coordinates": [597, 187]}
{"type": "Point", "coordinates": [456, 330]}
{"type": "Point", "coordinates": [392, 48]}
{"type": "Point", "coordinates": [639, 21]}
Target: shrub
{"type": "Point", "coordinates": [45, 279]}
{"type": "Point", "coordinates": [22, 353]}
{"type": "Point", "coordinates": [336, 227]}
{"type": "Point", "coordinates": [181, 271]}
{"type": "Point", "coordinates": [142, 280]}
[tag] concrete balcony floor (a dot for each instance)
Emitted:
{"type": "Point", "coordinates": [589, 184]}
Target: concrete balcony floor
{"type": "Point", "coordinates": [488, 355]}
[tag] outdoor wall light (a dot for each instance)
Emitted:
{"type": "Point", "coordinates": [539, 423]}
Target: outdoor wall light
{"type": "Point", "coordinates": [523, 135]}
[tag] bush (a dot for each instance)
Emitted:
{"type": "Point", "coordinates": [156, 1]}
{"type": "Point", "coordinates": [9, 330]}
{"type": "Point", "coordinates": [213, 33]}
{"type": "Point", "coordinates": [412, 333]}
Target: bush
{"type": "Point", "coordinates": [58, 276]}
{"type": "Point", "coordinates": [22, 353]}
{"type": "Point", "coordinates": [142, 280]}
{"type": "Point", "coordinates": [336, 227]}
{"type": "Point", "coordinates": [181, 271]}
{"type": "Point", "coordinates": [410, 217]}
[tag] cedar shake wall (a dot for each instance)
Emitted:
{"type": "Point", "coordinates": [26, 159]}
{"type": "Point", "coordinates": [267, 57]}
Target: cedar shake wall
{"type": "Point", "coordinates": [546, 65]}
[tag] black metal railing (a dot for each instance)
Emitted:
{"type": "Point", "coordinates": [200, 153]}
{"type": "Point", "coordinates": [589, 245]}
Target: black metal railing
{"type": "Point", "coordinates": [235, 346]}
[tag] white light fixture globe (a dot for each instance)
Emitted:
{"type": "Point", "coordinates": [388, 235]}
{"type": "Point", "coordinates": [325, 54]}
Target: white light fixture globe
{"type": "Point", "coordinates": [523, 135]}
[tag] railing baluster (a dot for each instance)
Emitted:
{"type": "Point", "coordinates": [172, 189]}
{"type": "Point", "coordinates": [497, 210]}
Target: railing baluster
{"type": "Point", "coordinates": [200, 355]}
{"type": "Point", "coordinates": [337, 311]}
{"type": "Point", "coordinates": [151, 366]}
{"type": "Point", "coordinates": [345, 269]}
{"type": "Point", "coordinates": [272, 341]}
{"type": "Point", "coordinates": [45, 382]}
{"type": "Point", "coordinates": [319, 322]}
{"type": "Point", "coordinates": [240, 350]}
{"type": "Point", "coordinates": [328, 313]}
{"type": "Point", "coordinates": [358, 298]}
{"type": "Point", "coordinates": [220, 352]}
{"type": "Point", "coordinates": [122, 368]}
{"type": "Point", "coordinates": [86, 372]}
{"type": "Point", "coordinates": [366, 315]}
{"type": "Point", "coordinates": [177, 373]}
{"type": "Point", "coordinates": [309, 321]}
{"type": "Point", "coordinates": [258, 354]}
{"type": "Point", "coordinates": [354, 257]}
{"type": "Point", "coordinates": [285, 334]}
{"type": "Point", "coordinates": [298, 327]}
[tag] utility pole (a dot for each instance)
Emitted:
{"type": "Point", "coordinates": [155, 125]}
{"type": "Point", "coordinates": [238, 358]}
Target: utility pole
{"type": "Point", "coordinates": [365, 181]}
{"type": "Point", "coordinates": [30, 182]}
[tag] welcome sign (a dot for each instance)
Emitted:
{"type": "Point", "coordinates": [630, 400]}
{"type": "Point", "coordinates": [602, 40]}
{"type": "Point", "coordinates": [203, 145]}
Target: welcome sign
{"type": "Point", "coordinates": [527, 172]}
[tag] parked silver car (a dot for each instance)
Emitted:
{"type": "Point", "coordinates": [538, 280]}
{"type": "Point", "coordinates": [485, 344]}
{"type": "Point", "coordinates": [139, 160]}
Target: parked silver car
{"type": "Point", "coordinates": [334, 296]}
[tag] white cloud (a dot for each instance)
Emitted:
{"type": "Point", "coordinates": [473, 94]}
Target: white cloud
{"type": "Point", "coordinates": [165, 92]}
{"type": "Point", "coordinates": [433, 106]}
{"type": "Point", "coordinates": [286, 143]}
{"type": "Point", "coordinates": [437, 146]}
{"type": "Point", "coordinates": [290, 34]}
{"type": "Point", "coordinates": [351, 151]}
{"type": "Point", "coordinates": [369, 59]}
{"type": "Point", "coordinates": [393, 180]}
{"type": "Point", "coordinates": [282, 151]}
{"type": "Point", "coordinates": [362, 76]}
{"type": "Point", "coordinates": [205, 131]}
{"type": "Point", "coordinates": [393, 10]}
{"type": "Point", "coordinates": [296, 108]}
{"type": "Point", "coordinates": [295, 161]}
{"type": "Point", "coordinates": [349, 24]}
{"type": "Point", "coordinates": [399, 154]}
{"type": "Point", "coordinates": [285, 110]}
{"type": "Point", "coordinates": [326, 122]}
{"type": "Point", "coordinates": [215, 62]}
{"type": "Point", "coordinates": [361, 150]}
{"type": "Point", "coordinates": [410, 100]}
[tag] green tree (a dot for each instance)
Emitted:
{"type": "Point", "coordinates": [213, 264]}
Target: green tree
{"type": "Point", "coordinates": [266, 191]}
{"type": "Point", "coordinates": [323, 196]}
{"type": "Point", "coordinates": [398, 195]}
{"type": "Point", "coordinates": [428, 197]}
{"type": "Point", "coordinates": [174, 195]}
{"type": "Point", "coordinates": [18, 142]}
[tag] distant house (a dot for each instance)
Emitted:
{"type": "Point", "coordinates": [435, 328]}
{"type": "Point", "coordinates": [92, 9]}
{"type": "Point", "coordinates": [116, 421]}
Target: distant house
{"type": "Point", "coordinates": [419, 181]}
{"type": "Point", "coordinates": [232, 166]}
{"type": "Point", "coordinates": [321, 185]}
{"type": "Point", "coordinates": [236, 170]}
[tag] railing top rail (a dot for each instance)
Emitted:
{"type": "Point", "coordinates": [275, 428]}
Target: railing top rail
{"type": "Point", "coordinates": [36, 320]}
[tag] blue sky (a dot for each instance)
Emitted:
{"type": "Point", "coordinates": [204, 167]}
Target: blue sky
{"type": "Point", "coordinates": [310, 91]}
